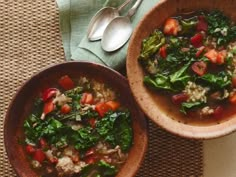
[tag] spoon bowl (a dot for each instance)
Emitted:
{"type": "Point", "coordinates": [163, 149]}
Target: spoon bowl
{"type": "Point", "coordinates": [119, 30]}
{"type": "Point", "coordinates": [116, 34]}
{"type": "Point", "coordinates": [101, 19]}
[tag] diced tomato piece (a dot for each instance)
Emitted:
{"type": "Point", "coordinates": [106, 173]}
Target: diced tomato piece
{"type": "Point", "coordinates": [92, 122]}
{"type": "Point", "coordinates": [202, 24]}
{"type": "Point", "coordinates": [171, 27]}
{"type": "Point", "coordinates": [65, 109]}
{"type": "Point", "coordinates": [53, 160]}
{"type": "Point", "coordinates": [43, 143]}
{"type": "Point", "coordinates": [114, 105]}
{"type": "Point", "coordinates": [75, 158]}
{"type": "Point", "coordinates": [66, 82]}
{"type": "Point", "coordinates": [39, 156]}
{"type": "Point", "coordinates": [163, 52]}
{"type": "Point", "coordinates": [91, 159]}
{"type": "Point", "coordinates": [212, 55]}
{"type": "Point", "coordinates": [232, 98]}
{"type": "Point", "coordinates": [48, 107]}
{"type": "Point", "coordinates": [90, 152]}
{"type": "Point", "coordinates": [87, 98]}
{"type": "Point", "coordinates": [218, 111]}
{"type": "Point", "coordinates": [30, 149]}
{"type": "Point", "coordinates": [234, 80]}
{"type": "Point", "coordinates": [197, 40]}
{"type": "Point", "coordinates": [102, 108]}
{"type": "Point", "coordinates": [49, 93]}
{"type": "Point", "coordinates": [199, 67]}
{"type": "Point", "coordinates": [200, 51]}
{"type": "Point", "coordinates": [221, 57]}
{"type": "Point", "coordinates": [179, 98]}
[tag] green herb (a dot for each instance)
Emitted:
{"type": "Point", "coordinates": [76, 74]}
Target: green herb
{"type": "Point", "coordinates": [151, 45]}
{"type": "Point", "coordinates": [188, 26]}
{"type": "Point", "coordinates": [189, 105]}
{"type": "Point", "coordinates": [158, 81]}
{"type": "Point", "coordinates": [84, 138]}
{"type": "Point", "coordinates": [99, 169]}
{"type": "Point", "coordinates": [115, 128]}
{"type": "Point", "coordinates": [217, 81]}
{"type": "Point", "coordinates": [220, 28]}
{"type": "Point", "coordinates": [181, 76]}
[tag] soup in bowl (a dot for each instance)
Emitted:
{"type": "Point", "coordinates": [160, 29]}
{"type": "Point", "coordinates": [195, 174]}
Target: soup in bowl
{"type": "Point", "coordinates": [181, 67]}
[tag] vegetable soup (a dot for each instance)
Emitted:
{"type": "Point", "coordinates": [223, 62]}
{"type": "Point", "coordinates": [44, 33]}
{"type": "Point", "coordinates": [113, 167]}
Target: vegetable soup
{"type": "Point", "coordinates": [78, 128]}
{"type": "Point", "coordinates": [191, 63]}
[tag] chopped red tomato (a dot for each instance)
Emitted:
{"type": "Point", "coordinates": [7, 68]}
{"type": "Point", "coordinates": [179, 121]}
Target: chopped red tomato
{"type": "Point", "coordinates": [65, 109]}
{"type": "Point", "coordinates": [212, 55]}
{"type": "Point", "coordinates": [43, 143]}
{"type": "Point", "coordinates": [91, 159]}
{"type": "Point", "coordinates": [202, 24]}
{"type": "Point", "coordinates": [232, 98]}
{"type": "Point", "coordinates": [114, 105]}
{"type": "Point", "coordinates": [171, 27]}
{"type": "Point", "coordinates": [53, 160]}
{"type": "Point", "coordinates": [179, 98]}
{"type": "Point", "coordinates": [87, 98]}
{"type": "Point", "coordinates": [218, 111]}
{"type": "Point", "coordinates": [66, 82]}
{"type": "Point", "coordinates": [221, 57]}
{"type": "Point", "coordinates": [30, 149]}
{"type": "Point", "coordinates": [92, 122]}
{"type": "Point", "coordinates": [200, 51]}
{"type": "Point", "coordinates": [48, 107]}
{"type": "Point", "coordinates": [102, 108]}
{"type": "Point", "coordinates": [234, 80]}
{"type": "Point", "coordinates": [163, 52]}
{"type": "Point", "coordinates": [199, 67]}
{"type": "Point", "coordinates": [39, 156]}
{"type": "Point", "coordinates": [49, 93]}
{"type": "Point", "coordinates": [197, 40]}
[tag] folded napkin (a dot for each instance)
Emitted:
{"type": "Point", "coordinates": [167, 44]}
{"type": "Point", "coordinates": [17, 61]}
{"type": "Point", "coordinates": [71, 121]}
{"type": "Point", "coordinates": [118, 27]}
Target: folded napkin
{"type": "Point", "coordinates": [75, 16]}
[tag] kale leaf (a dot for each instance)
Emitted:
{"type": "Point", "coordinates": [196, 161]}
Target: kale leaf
{"type": "Point", "coordinates": [158, 81]}
{"type": "Point", "coordinates": [189, 105]}
{"type": "Point", "coordinates": [115, 128]}
{"type": "Point", "coordinates": [99, 169]}
{"type": "Point", "coordinates": [180, 76]}
{"type": "Point", "coordinates": [188, 26]}
{"type": "Point", "coordinates": [151, 45]}
{"type": "Point", "coordinates": [216, 81]}
{"type": "Point", "coordinates": [84, 138]}
{"type": "Point", "coordinates": [219, 27]}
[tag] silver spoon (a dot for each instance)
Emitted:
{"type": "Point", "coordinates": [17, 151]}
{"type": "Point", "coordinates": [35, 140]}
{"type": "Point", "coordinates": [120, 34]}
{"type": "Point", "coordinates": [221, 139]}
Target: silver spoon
{"type": "Point", "coordinates": [101, 19]}
{"type": "Point", "coordinates": [119, 30]}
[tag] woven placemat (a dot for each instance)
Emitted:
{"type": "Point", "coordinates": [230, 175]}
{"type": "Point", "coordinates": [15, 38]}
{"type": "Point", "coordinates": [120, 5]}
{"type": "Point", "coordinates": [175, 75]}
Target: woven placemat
{"type": "Point", "coordinates": [29, 41]}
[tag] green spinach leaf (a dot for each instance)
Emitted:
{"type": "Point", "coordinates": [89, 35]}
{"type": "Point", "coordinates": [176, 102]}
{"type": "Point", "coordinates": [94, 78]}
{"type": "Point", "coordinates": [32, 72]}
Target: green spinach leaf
{"type": "Point", "coordinates": [189, 105]}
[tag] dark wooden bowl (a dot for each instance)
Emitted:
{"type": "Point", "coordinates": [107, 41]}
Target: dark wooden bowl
{"type": "Point", "coordinates": [21, 104]}
{"type": "Point", "coordinates": [149, 101]}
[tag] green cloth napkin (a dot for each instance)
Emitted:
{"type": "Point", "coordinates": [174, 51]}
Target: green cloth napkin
{"type": "Point", "coordinates": [75, 16]}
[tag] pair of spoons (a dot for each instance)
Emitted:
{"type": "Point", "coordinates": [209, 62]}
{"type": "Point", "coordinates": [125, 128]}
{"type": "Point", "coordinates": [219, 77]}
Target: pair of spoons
{"type": "Point", "coordinates": [113, 30]}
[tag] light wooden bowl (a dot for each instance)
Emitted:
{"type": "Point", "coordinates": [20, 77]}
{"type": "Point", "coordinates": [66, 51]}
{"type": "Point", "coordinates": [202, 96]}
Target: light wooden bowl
{"type": "Point", "coordinates": [148, 100]}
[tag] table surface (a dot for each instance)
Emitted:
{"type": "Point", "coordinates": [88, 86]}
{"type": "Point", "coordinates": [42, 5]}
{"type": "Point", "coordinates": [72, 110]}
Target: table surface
{"type": "Point", "coordinates": [29, 41]}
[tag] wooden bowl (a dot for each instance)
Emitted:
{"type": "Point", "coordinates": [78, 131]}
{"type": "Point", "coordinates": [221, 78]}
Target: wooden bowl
{"type": "Point", "coordinates": [21, 104]}
{"type": "Point", "coordinates": [149, 102]}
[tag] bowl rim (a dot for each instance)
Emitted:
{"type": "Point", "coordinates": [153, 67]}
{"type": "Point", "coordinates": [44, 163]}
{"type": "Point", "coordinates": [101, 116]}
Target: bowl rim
{"type": "Point", "coordinates": [180, 129]}
{"type": "Point", "coordinates": [83, 62]}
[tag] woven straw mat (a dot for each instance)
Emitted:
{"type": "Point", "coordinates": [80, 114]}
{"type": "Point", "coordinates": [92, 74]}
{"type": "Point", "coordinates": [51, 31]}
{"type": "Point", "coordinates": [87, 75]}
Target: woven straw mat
{"type": "Point", "coordinates": [29, 41]}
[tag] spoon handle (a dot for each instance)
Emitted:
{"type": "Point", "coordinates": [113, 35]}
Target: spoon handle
{"type": "Point", "coordinates": [123, 5]}
{"type": "Point", "coordinates": [134, 8]}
